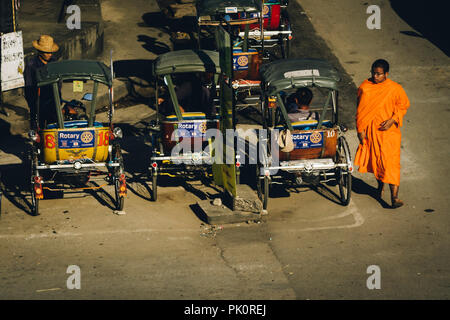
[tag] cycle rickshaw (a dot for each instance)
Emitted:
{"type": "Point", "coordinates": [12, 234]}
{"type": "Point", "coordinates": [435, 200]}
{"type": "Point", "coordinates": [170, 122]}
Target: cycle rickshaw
{"type": "Point", "coordinates": [69, 148]}
{"type": "Point", "coordinates": [236, 16]}
{"type": "Point", "coordinates": [319, 152]}
{"type": "Point", "coordinates": [277, 31]}
{"type": "Point", "coordinates": [186, 129]}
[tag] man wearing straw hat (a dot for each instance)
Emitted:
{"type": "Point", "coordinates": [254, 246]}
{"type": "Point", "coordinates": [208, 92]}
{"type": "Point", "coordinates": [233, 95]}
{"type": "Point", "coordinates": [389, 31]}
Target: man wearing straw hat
{"type": "Point", "coordinates": [45, 46]}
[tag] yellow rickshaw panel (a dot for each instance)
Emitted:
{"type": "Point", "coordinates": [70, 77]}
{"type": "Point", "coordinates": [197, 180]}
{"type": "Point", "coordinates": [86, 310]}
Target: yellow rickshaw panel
{"type": "Point", "coordinates": [76, 143]}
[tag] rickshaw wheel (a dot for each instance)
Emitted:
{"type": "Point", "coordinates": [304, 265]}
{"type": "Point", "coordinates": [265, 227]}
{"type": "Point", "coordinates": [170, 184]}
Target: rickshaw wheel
{"type": "Point", "coordinates": [344, 176]}
{"type": "Point", "coordinates": [34, 199]}
{"type": "Point", "coordinates": [120, 200]}
{"type": "Point", "coordinates": [262, 187]}
{"type": "Point", "coordinates": [34, 202]}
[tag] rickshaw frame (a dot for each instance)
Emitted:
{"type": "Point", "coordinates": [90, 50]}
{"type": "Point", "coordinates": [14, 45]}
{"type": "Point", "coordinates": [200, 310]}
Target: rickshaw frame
{"type": "Point", "coordinates": [166, 65]}
{"type": "Point", "coordinates": [272, 38]}
{"type": "Point", "coordinates": [217, 7]}
{"type": "Point", "coordinates": [54, 74]}
{"type": "Point", "coordinates": [291, 74]}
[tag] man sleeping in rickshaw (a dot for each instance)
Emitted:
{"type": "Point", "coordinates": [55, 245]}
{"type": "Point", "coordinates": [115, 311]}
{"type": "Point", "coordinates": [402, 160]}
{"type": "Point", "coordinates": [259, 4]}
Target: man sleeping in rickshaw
{"type": "Point", "coordinates": [298, 106]}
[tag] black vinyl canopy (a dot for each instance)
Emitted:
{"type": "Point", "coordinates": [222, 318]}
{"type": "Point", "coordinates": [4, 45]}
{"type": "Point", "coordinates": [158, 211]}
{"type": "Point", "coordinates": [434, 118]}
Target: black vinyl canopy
{"type": "Point", "coordinates": [187, 61]}
{"type": "Point", "coordinates": [74, 70]}
{"type": "Point", "coordinates": [294, 73]}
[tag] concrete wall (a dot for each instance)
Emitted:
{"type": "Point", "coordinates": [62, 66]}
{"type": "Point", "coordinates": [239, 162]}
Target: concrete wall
{"type": "Point", "coordinates": [86, 43]}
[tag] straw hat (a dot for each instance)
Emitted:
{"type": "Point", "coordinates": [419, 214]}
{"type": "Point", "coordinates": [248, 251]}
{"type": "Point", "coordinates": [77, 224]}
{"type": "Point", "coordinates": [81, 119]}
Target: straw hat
{"type": "Point", "coordinates": [45, 44]}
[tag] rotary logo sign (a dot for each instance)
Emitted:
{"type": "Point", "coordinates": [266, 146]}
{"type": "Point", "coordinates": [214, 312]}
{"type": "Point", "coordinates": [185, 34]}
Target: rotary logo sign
{"type": "Point", "coordinates": [266, 11]}
{"type": "Point", "coordinates": [308, 140]}
{"type": "Point", "coordinates": [190, 130]}
{"type": "Point", "coordinates": [75, 139]}
{"type": "Point", "coordinates": [315, 137]}
{"type": "Point", "coordinates": [202, 127]}
{"type": "Point", "coordinates": [242, 61]}
{"type": "Point", "coordinates": [87, 137]}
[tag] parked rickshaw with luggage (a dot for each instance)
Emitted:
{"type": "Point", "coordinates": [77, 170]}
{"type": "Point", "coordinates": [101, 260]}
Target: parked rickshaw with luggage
{"type": "Point", "coordinates": [237, 17]}
{"type": "Point", "coordinates": [69, 147]}
{"type": "Point", "coordinates": [186, 84]}
{"type": "Point", "coordinates": [308, 149]}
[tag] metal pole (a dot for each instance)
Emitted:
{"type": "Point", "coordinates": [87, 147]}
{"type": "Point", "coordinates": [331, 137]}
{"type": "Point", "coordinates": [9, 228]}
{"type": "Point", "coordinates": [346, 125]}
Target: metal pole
{"type": "Point", "coordinates": [57, 100]}
{"type": "Point", "coordinates": [173, 96]}
{"type": "Point", "coordinates": [111, 89]}
{"type": "Point", "coordinates": [93, 104]}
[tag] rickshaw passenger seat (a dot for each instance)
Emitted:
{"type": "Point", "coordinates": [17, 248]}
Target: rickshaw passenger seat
{"type": "Point", "coordinates": [190, 116]}
{"type": "Point", "coordinates": [75, 124]}
{"type": "Point", "coordinates": [307, 125]}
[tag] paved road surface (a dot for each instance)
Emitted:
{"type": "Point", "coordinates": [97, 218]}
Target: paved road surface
{"type": "Point", "coordinates": [308, 247]}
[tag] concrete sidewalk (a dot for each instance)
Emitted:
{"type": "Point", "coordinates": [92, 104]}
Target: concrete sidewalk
{"type": "Point", "coordinates": [41, 17]}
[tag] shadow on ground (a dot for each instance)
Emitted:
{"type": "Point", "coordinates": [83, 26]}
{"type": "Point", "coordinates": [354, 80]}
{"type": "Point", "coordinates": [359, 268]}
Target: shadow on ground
{"type": "Point", "coordinates": [182, 32]}
{"type": "Point", "coordinates": [141, 68]}
{"type": "Point", "coordinates": [361, 187]}
{"type": "Point", "coordinates": [14, 179]}
{"type": "Point", "coordinates": [153, 45]}
{"type": "Point", "coordinates": [139, 77]}
{"type": "Point", "coordinates": [427, 18]}
{"type": "Point", "coordinates": [15, 185]}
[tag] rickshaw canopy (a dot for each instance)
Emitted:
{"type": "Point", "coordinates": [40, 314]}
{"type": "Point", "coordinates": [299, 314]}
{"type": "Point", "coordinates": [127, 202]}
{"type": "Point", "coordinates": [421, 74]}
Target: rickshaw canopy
{"type": "Point", "coordinates": [295, 73]}
{"type": "Point", "coordinates": [74, 70]}
{"type": "Point", "coordinates": [211, 7]}
{"type": "Point", "coordinates": [187, 61]}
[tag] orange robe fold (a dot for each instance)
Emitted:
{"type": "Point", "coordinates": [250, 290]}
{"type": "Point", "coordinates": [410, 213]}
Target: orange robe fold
{"type": "Point", "coordinates": [380, 152]}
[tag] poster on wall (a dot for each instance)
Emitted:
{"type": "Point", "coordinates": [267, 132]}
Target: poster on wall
{"type": "Point", "coordinates": [12, 61]}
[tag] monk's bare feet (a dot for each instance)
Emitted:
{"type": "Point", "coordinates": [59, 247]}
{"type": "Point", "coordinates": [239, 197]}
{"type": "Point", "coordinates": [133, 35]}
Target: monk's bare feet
{"type": "Point", "coordinates": [397, 203]}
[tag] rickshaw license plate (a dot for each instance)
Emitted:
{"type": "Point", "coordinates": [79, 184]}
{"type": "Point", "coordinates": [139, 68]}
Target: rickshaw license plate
{"type": "Point", "coordinates": [76, 139]}
{"type": "Point", "coordinates": [307, 140]}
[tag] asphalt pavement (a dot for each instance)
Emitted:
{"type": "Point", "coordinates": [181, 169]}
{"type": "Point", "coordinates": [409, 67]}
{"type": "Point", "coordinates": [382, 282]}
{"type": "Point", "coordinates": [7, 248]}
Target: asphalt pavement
{"type": "Point", "coordinates": [307, 247]}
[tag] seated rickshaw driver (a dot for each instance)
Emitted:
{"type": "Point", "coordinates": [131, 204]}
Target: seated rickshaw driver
{"type": "Point", "coordinates": [193, 96]}
{"type": "Point", "coordinates": [298, 106]}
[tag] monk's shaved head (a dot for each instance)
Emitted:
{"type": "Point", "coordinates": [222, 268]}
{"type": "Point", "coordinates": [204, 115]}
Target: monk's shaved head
{"type": "Point", "coordinates": [381, 63]}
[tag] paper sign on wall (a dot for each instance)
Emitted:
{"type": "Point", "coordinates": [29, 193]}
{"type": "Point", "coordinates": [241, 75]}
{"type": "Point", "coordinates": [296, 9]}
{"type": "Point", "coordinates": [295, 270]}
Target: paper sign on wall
{"type": "Point", "coordinates": [12, 61]}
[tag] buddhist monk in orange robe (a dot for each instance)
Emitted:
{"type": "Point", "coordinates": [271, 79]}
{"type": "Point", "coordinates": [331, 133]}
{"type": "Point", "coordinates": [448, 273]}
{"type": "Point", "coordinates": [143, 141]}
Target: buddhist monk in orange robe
{"type": "Point", "coordinates": [382, 103]}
